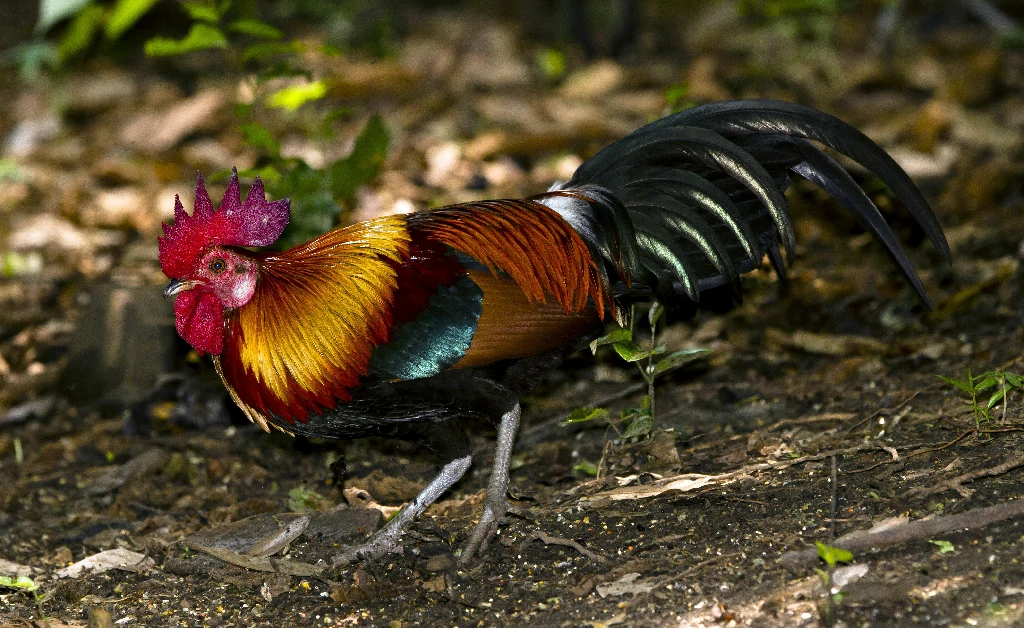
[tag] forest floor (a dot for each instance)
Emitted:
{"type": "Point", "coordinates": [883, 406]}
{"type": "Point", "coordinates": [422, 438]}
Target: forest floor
{"type": "Point", "coordinates": [817, 413]}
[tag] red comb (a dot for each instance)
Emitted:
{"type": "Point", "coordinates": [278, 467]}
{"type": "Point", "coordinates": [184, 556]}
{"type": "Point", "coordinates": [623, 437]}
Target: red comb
{"type": "Point", "coordinates": [252, 223]}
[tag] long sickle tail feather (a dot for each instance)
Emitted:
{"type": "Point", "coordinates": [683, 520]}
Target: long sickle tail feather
{"type": "Point", "coordinates": [692, 201]}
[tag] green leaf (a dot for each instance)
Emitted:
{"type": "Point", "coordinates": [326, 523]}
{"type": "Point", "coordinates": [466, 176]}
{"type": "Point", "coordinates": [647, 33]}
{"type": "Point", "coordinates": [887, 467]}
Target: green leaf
{"type": "Point", "coordinates": [987, 382]}
{"type": "Point", "coordinates": [632, 352]}
{"type": "Point", "coordinates": [640, 427]}
{"type": "Point", "coordinates": [269, 174]}
{"type": "Point", "coordinates": [53, 11]}
{"type": "Point", "coordinates": [283, 69]}
{"type": "Point", "coordinates": [294, 96]}
{"type": "Point", "coordinates": [200, 37]}
{"type": "Point", "coordinates": [205, 10]}
{"type": "Point", "coordinates": [657, 309]}
{"type": "Point", "coordinates": [677, 97]}
{"type": "Point", "coordinates": [962, 385]}
{"type": "Point", "coordinates": [257, 136]}
{"type": "Point", "coordinates": [679, 358]}
{"type": "Point", "coordinates": [81, 32]}
{"type": "Point", "coordinates": [621, 334]}
{"type": "Point", "coordinates": [945, 547]}
{"type": "Point", "coordinates": [586, 467]}
{"type": "Point", "coordinates": [314, 210]}
{"type": "Point", "coordinates": [996, 398]}
{"type": "Point", "coordinates": [363, 163]}
{"type": "Point", "coordinates": [254, 28]}
{"type": "Point", "coordinates": [10, 170]}
{"type": "Point", "coordinates": [833, 555]}
{"type": "Point", "coordinates": [551, 63]}
{"type": "Point", "coordinates": [20, 582]}
{"type": "Point", "coordinates": [582, 415]}
{"type": "Point", "coordinates": [124, 15]}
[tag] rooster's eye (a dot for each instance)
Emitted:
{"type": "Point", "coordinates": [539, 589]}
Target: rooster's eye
{"type": "Point", "coordinates": [217, 265]}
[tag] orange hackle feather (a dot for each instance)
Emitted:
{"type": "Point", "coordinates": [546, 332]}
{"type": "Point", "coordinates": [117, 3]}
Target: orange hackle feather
{"type": "Point", "coordinates": [304, 340]}
{"type": "Point", "coordinates": [527, 241]}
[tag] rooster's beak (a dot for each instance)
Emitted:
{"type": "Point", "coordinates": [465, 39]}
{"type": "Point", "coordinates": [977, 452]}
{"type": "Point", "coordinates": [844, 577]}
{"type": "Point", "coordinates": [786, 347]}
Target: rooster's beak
{"type": "Point", "coordinates": [179, 285]}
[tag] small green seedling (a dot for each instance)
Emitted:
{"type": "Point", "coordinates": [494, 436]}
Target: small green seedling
{"type": "Point", "coordinates": [587, 468]}
{"type": "Point", "coordinates": [301, 499]}
{"type": "Point", "coordinates": [28, 585]}
{"type": "Point", "coordinates": [639, 421]}
{"type": "Point", "coordinates": [945, 547]}
{"type": "Point", "coordinates": [974, 385]}
{"type": "Point", "coordinates": [832, 557]}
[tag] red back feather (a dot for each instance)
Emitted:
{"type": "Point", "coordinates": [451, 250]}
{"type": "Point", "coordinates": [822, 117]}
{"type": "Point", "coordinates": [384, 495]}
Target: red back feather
{"type": "Point", "coordinates": [255, 222]}
{"type": "Point", "coordinates": [526, 240]}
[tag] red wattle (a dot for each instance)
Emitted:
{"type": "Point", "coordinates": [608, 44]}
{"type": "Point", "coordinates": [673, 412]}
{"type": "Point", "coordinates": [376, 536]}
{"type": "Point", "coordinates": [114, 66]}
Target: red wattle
{"type": "Point", "coordinates": [199, 317]}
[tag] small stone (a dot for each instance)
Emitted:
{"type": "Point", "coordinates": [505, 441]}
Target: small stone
{"type": "Point", "coordinates": [100, 618]}
{"type": "Point", "coordinates": [594, 81]}
{"type": "Point", "coordinates": [439, 562]}
{"type": "Point", "coordinates": [63, 556]}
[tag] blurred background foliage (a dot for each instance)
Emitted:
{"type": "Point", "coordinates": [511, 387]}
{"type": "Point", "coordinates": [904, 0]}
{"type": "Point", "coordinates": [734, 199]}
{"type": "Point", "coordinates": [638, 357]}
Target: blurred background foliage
{"type": "Point", "coordinates": [280, 51]}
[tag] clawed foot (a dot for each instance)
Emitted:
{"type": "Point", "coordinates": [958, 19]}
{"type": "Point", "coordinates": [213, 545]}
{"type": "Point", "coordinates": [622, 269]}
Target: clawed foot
{"type": "Point", "coordinates": [386, 540]}
{"type": "Point", "coordinates": [493, 514]}
{"type": "Point", "coordinates": [496, 505]}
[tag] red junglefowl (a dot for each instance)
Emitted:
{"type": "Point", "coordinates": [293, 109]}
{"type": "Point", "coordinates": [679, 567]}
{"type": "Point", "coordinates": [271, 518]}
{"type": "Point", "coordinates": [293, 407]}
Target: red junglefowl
{"type": "Point", "coordinates": [380, 328]}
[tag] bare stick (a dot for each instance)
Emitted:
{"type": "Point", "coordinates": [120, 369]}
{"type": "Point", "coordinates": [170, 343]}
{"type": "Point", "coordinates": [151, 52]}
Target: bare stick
{"type": "Point", "coordinates": [957, 482]}
{"type": "Point", "coordinates": [862, 540]}
{"type": "Point", "coordinates": [547, 539]}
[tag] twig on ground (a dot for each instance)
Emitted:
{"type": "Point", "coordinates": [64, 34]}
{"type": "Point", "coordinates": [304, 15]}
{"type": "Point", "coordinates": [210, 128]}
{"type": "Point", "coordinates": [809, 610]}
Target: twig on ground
{"type": "Point", "coordinates": [901, 405]}
{"type": "Point", "coordinates": [862, 540]}
{"type": "Point", "coordinates": [895, 455]}
{"type": "Point", "coordinates": [681, 575]}
{"type": "Point", "coordinates": [547, 539]}
{"type": "Point", "coordinates": [835, 499]}
{"type": "Point", "coordinates": [692, 481]}
{"type": "Point", "coordinates": [957, 482]}
{"type": "Point", "coordinates": [814, 418]}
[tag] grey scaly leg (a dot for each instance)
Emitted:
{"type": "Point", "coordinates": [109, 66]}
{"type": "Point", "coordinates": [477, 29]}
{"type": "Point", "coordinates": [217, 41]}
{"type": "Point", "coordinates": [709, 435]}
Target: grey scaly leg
{"type": "Point", "coordinates": [385, 541]}
{"type": "Point", "coordinates": [496, 504]}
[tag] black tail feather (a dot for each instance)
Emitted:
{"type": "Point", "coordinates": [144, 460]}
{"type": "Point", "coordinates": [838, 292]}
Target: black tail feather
{"type": "Point", "coordinates": [743, 117]}
{"type": "Point", "coordinates": [689, 202]}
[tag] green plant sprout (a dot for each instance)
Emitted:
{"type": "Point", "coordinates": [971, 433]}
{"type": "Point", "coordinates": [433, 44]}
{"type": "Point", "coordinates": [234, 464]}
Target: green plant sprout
{"type": "Point", "coordinates": [639, 421]}
{"type": "Point", "coordinates": [24, 583]}
{"type": "Point", "coordinates": [974, 385]}
{"type": "Point", "coordinates": [830, 603]}
{"type": "Point", "coordinates": [945, 547]}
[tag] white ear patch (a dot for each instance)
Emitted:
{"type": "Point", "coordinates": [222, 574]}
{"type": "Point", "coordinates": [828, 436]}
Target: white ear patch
{"type": "Point", "coordinates": [242, 289]}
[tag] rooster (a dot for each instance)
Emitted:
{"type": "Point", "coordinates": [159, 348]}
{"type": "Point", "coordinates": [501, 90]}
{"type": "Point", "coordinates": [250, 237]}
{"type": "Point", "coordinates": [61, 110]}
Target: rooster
{"type": "Point", "coordinates": [406, 326]}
